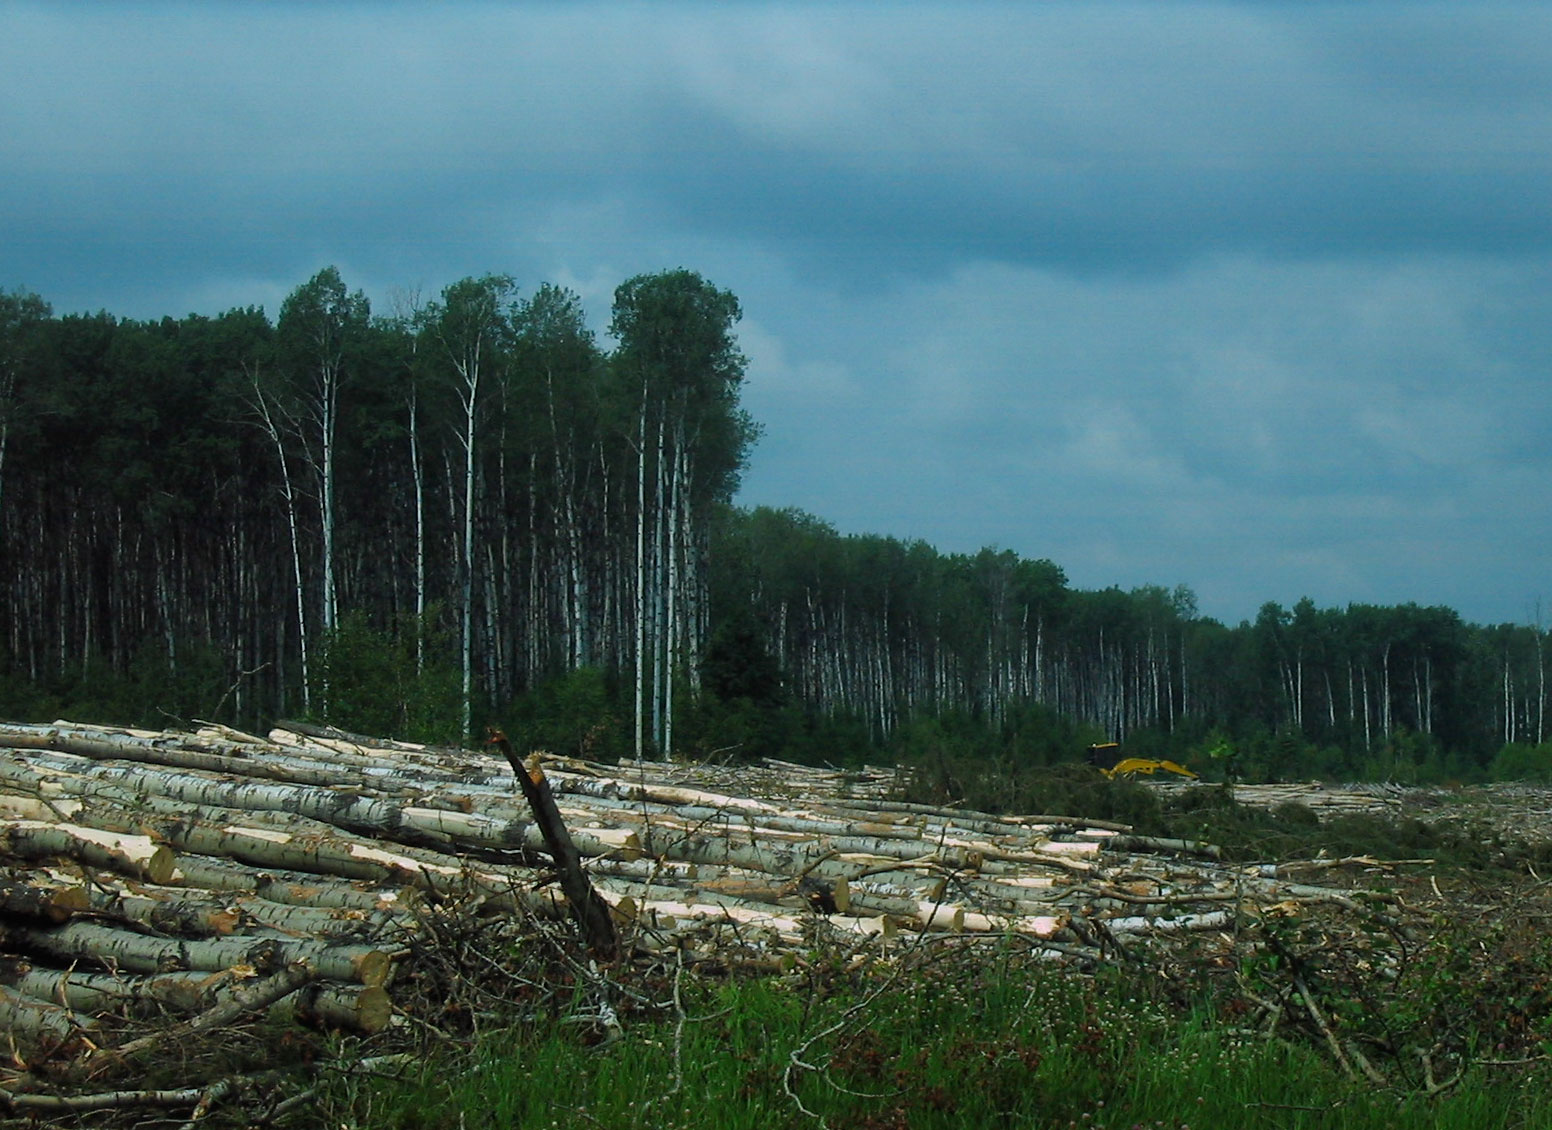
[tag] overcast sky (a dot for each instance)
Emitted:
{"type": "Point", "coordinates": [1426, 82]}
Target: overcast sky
{"type": "Point", "coordinates": [1251, 297]}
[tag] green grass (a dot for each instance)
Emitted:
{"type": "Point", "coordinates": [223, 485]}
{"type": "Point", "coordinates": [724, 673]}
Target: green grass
{"type": "Point", "coordinates": [983, 1044]}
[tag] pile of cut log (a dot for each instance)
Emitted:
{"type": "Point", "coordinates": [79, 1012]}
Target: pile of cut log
{"type": "Point", "coordinates": [165, 870]}
{"type": "Point", "coordinates": [1324, 800]}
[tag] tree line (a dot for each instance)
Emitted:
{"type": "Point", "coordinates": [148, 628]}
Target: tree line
{"type": "Point", "coordinates": [408, 521]}
{"type": "Point", "coordinates": [251, 509]}
{"type": "Point", "coordinates": [888, 631]}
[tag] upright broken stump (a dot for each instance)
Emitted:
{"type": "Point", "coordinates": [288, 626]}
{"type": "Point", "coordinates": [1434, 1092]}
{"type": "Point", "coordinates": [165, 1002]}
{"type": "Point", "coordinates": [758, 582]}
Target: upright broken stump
{"type": "Point", "coordinates": [592, 913]}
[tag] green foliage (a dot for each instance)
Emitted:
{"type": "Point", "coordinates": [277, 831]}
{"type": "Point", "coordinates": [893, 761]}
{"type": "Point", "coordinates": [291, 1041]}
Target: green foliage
{"type": "Point", "coordinates": [738, 664]}
{"type": "Point", "coordinates": [1059, 790]}
{"type": "Point", "coordinates": [841, 740]}
{"type": "Point", "coordinates": [1031, 763]}
{"type": "Point", "coordinates": [742, 710]}
{"type": "Point", "coordinates": [1248, 833]}
{"type": "Point", "coordinates": [676, 341]}
{"type": "Point", "coordinates": [1522, 761]}
{"type": "Point", "coordinates": [156, 690]}
{"type": "Point", "coordinates": [1470, 988]}
{"type": "Point", "coordinates": [722, 729]}
{"type": "Point", "coordinates": [576, 714]}
{"type": "Point", "coordinates": [1033, 733]}
{"type": "Point", "coordinates": [374, 681]}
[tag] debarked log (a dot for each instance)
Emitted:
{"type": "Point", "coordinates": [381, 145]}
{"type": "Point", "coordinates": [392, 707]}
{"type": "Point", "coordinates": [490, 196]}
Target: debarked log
{"type": "Point", "coordinates": [126, 852]}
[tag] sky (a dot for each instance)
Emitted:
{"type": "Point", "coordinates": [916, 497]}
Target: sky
{"type": "Point", "coordinates": [1254, 298]}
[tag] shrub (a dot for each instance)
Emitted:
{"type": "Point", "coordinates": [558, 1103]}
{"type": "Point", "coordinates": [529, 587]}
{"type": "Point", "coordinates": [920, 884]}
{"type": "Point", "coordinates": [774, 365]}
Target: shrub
{"type": "Point", "coordinates": [367, 681]}
{"type": "Point", "coordinates": [1521, 761]}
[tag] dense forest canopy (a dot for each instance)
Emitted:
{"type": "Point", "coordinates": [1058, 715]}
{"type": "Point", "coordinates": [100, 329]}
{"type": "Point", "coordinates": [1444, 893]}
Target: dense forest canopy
{"type": "Point", "coordinates": [467, 506]}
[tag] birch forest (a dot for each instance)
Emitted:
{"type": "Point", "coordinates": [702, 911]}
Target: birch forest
{"type": "Point", "coordinates": [470, 506]}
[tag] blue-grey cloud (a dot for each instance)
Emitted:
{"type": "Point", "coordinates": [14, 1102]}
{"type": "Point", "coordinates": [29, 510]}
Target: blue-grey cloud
{"type": "Point", "coordinates": [1249, 296]}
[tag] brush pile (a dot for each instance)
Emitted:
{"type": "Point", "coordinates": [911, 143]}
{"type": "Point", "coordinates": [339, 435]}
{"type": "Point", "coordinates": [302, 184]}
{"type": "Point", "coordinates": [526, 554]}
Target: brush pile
{"type": "Point", "coordinates": [155, 884]}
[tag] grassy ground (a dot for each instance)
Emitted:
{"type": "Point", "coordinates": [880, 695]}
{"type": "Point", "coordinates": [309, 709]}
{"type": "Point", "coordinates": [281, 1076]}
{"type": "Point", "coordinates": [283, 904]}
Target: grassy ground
{"type": "Point", "coordinates": [966, 1042]}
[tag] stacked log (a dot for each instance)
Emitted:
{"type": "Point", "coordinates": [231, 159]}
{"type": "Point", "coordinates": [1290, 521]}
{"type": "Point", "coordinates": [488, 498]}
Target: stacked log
{"type": "Point", "coordinates": [165, 869]}
{"type": "Point", "coordinates": [1324, 800]}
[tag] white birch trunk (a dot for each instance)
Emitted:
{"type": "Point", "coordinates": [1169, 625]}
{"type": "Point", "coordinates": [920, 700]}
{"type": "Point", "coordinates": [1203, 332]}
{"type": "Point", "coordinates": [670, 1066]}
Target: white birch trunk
{"type": "Point", "coordinates": [659, 597]}
{"type": "Point", "coordinates": [328, 415]}
{"type": "Point", "coordinates": [1541, 689]}
{"type": "Point", "coordinates": [1385, 691]}
{"type": "Point", "coordinates": [418, 479]}
{"type": "Point", "coordinates": [641, 574]}
{"type": "Point", "coordinates": [272, 429]}
{"type": "Point", "coordinates": [138, 953]}
{"type": "Point", "coordinates": [469, 372]}
{"type": "Point", "coordinates": [675, 549]}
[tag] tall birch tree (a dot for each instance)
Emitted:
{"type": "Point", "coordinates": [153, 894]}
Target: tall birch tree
{"type": "Point", "coordinates": [677, 347]}
{"type": "Point", "coordinates": [472, 326]}
{"type": "Point", "coordinates": [557, 359]}
{"type": "Point", "coordinates": [321, 325]}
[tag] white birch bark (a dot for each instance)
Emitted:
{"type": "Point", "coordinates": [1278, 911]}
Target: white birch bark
{"type": "Point", "coordinates": [140, 953]}
{"type": "Point", "coordinates": [418, 480]}
{"type": "Point", "coordinates": [672, 583]}
{"type": "Point", "coordinates": [469, 372]}
{"type": "Point", "coordinates": [129, 853]}
{"type": "Point", "coordinates": [641, 574]}
{"type": "Point", "coordinates": [268, 416]}
{"type": "Point", "coordinates": [659, 574]}
{"type": "Point", "coordinates": [34, 1022]}
{"type": "Point", "coordinates": [328, 422]}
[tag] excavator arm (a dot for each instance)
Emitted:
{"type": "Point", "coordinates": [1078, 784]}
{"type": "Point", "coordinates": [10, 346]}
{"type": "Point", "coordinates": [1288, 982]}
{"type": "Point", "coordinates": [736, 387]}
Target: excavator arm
{"type": "Point", "coordinates": [1131, 766]}
{"type": "Point", "coordinates": [1110, 761]}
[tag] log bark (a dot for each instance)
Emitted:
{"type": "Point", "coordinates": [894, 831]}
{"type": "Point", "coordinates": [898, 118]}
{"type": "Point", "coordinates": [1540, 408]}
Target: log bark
{"type": "Point", "coordinates": [33, 1022]}
{"type": "Point", "coordinates": [325, 1004]}
{"type": "Point", "coordinates": [46, 904]}
{"type": "Point", "coordinates": [358, 808]}
{"type": "Point", "coordinates": [125, 852]}
{"type": "Point", "coordinates": [352, 1008]}
{"type": "Point", "coordinates": [172, 910]}
{"type": "Point", "coordinates": [592, 912]}
{"type": "Point", "coordinates": [102, 945]}
{"type": "Point", "coordinates": [363, 830]}
{"type": "Point", "coordinates": [250, 999]}
{"type": "Point", "coordinates": [89, 992]}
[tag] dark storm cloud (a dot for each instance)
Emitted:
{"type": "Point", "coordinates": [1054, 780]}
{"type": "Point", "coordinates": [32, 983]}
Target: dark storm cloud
{"type": "Point", "coordinates": [1061, 137]}
{"type": "Point", "coordinates": [1253, 297]}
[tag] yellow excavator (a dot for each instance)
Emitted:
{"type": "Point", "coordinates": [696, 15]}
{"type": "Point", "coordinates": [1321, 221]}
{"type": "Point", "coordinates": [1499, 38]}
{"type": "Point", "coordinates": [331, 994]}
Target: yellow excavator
{"type": "Point", "coordinates": [1113, 763]}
